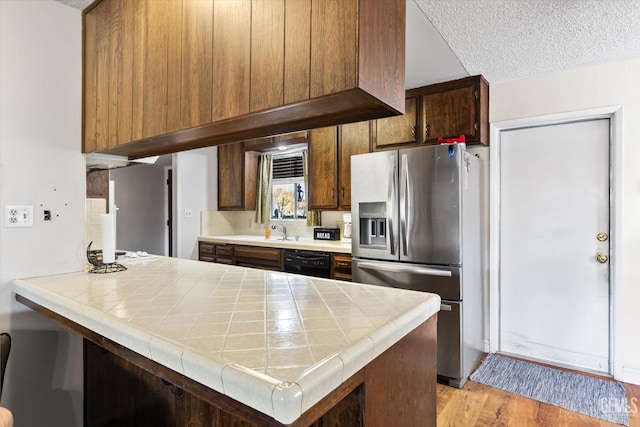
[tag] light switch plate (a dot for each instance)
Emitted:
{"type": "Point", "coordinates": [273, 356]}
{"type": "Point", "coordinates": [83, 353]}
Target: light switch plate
{"type": "Point", "coordinates": [18, 216]}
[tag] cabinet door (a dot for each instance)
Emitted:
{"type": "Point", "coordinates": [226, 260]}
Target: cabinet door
{"type": "Point", "coordinates": [267, 54]}
{"type": "Point", "coordinates": [197, 63]}
{"type": "Point", "coordinates": [230, 176]}
{"type": "Point", "coordinates": [355, 138]}
{"type": "Point", "coordinates": [323, 168]}
{"type": "Point", "coordinates": [334, 33]}
{"type": "Point", "coordinates": [392, 131]}
{"type": "Point", "coordinates": [450, 113]}
{"type": "Point", "coordinates": [231, 58]}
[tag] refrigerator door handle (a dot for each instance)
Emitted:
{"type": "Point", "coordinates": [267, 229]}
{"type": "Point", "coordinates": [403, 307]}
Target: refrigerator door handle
{"type": "Point", "coordinates": [405, 201]}
{"type": "Point", "coordinates": [424, 271]}
{"type": "Point", "coordinates": [391, 201]}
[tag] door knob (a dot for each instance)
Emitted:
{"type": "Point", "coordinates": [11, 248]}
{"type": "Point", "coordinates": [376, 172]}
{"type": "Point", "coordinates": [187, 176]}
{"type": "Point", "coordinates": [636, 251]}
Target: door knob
{"type": "Point", "coordinates": [602, 237]}
{"type": "Point", "coordinates": [602, 258]}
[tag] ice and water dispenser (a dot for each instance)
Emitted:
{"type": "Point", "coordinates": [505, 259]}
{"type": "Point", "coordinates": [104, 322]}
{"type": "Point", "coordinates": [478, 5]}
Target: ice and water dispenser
{"type": "Point", "coordinates": [373, 225]}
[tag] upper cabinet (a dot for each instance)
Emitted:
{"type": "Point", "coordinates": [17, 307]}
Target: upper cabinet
{"type": "Point", "coordinates": [399, 130]}
{"type": "Point", "coordinates": [330, 151]}
{"type": "Point", "coordinates": [237, 177]}
{"type": "Point", "coordinates": [458, 107]}
{"type": "Point", "coordinates": [167, 75]}
{"type": "Point", "coordinates": [447, 110]}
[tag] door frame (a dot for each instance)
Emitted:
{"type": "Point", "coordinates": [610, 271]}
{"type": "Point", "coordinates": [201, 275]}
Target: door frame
{"type": "Point", "coordinates": [614, 114]}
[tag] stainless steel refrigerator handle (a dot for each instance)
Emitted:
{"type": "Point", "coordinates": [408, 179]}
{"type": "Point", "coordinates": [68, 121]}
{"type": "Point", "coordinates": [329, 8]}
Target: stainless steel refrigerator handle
{"type": "Point", "coordinates": [402, 269]}
{"type": "Point", "coordinates": [391, 201]}
{"type": "Point", "coordinates": [445, 307]}
{"type": "Point", "coordinates": [407, 205]}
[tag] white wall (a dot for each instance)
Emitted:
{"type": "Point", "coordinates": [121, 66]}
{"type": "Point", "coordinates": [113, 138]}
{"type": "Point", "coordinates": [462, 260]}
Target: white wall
{"type": "Point", "coordinates": [581, 89]}
{"type": "Point", "coordinates": [40, 120]}
{"type": "Point", "coordinates": [193, 190]}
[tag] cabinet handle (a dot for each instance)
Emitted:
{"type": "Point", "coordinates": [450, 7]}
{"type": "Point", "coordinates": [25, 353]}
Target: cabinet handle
{"type": "Point", "coordinates": [333, 194]}
{"type": "Point", "coordinates": [426, 130]}
{"type": "Point", "coordinates": [475, 127]}
{"type": "Point", "coordinates": [343, 192]}
{"type": "Point", "coordinates": [413, 131]}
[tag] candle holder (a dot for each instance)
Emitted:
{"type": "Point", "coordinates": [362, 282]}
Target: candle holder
{"type": "Point", "coordinates": [95, 259]}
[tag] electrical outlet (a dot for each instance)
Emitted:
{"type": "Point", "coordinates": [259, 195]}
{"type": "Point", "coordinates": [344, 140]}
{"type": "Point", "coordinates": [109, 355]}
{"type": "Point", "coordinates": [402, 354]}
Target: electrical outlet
{"type": "Point", "coordinates": [188, 213]}
{"type": "Point", "coordinates": [18, 216]}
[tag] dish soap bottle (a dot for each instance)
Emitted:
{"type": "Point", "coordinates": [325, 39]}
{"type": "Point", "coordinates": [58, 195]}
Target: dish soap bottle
{"type": "Point", "coordinates": [267, 232]}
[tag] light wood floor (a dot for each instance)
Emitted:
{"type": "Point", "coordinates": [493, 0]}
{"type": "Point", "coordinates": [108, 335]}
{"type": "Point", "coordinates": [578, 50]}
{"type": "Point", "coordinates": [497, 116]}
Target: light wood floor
{"type": "Point", "coordinates": [480, 405]}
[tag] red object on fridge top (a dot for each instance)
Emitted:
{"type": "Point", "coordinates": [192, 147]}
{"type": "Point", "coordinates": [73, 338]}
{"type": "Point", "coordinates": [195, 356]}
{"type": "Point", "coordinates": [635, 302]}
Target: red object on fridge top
{"type": "Point", "coordinates": [460, 138]}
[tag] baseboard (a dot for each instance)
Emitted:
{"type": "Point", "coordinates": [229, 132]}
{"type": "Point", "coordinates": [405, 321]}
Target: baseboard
{"type": "Point", "coordinates": [630, 375]}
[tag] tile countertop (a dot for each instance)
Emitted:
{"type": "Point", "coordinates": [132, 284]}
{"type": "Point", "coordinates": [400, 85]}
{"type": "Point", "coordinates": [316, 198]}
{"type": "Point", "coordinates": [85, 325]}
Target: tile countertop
{"type": "Point", "coordinates": [306, 243]}
{"type": "Point", "coordinates": [274, 341]}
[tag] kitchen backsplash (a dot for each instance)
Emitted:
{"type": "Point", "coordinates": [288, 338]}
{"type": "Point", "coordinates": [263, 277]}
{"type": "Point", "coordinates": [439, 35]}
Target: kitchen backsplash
{"type": "Point", "coordinates": [228, 223]}
{"type": "Point", "coordinates": [92, 225]}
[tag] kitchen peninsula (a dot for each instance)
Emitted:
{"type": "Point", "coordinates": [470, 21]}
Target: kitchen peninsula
{"type": "Point", "coordinates": [205, 343]}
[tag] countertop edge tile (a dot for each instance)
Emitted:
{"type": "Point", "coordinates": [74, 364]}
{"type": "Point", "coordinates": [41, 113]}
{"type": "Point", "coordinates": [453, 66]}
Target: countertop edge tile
{"type": "Point", "coordinates": [287, 402]}
{"type": "Point", "coordinates": [203, 370]}
{"type": "Point", "coordinates": [319, 381]}
{"type": "Point", "coordinates": [249, 387]}
{"type": "Point", "coordinates": [356, 357]}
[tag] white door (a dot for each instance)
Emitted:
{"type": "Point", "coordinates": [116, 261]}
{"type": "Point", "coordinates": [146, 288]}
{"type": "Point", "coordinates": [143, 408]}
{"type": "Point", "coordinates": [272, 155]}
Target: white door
{"type": "Point", "coordinates": [554, 201]}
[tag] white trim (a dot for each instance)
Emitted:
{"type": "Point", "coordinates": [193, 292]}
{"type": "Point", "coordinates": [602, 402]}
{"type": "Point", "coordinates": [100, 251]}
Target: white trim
{"type": "Point", "coordinates": [614, 114]}
{"type": "Point", "coordinates": [630, 375]}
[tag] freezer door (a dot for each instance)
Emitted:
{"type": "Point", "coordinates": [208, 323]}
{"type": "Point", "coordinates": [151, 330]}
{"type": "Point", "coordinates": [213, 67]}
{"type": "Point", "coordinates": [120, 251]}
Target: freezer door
{"type": "Point", "coordinates": [444, 281]}
{"type": "Point", "coordinates": [374, 205]}
{"type": "Point", "coordinates": [430, 204]}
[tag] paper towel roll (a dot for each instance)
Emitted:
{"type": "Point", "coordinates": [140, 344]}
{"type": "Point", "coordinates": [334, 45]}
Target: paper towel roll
{"type": "Point", "coordinates": [108, 239]}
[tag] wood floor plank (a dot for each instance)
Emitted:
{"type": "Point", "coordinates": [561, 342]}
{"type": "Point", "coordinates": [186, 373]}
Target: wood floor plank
{"type": "Point", "coordinates": [480, 405]}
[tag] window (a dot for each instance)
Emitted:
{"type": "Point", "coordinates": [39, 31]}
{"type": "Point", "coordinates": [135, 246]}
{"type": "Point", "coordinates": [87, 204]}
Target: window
{"type": "Point", "coordinates": [288, 189]}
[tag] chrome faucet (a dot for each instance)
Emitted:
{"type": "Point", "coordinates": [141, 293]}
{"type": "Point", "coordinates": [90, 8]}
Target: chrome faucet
{"type": "Point", "coordinates": [282, 229]}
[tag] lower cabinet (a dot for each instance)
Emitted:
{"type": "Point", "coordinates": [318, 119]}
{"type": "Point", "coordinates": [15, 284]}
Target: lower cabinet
{"type": "Point", "coordinates": [213, 252]}
{"type": "Point", "coordinates": [264, 258]}
{"type": "Point", "coordinates": [341, 267]}
{"type": "Point", "coordinates": [259, 257]}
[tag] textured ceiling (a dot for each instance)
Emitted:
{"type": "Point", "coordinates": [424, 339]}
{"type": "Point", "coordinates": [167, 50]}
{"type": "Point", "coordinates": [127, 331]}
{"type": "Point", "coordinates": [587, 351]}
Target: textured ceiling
{"type": "Point", "coordinates": [509, 39]}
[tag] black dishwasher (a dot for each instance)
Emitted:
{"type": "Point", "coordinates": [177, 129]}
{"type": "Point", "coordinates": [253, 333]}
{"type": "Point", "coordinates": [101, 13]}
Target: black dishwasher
{"type": "Point", "coordinates": [309, 263]}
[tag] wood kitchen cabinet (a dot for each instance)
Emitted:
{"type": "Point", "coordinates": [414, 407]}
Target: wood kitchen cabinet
{"type": "Point", "coordinates": [237, 175]}
{"type": "Point", "coordinates": [166, 76]}
{"type": "Point", "coordinates": [354, 138]}
{"type": "Point", "coordinates": [330, 151]}
{"type": "Point", "coordinates": [341, 267]}
{"type": "Point", "coordinates": [323, 166]}
{"type": "Point", "coordinates": [458, 107]}
{"type": "Point", "coordinates": [259, 257]}
{"type": "Point", "coordinates": [397, 131]}
{"type": "Point", "coordinates": [215, 252]}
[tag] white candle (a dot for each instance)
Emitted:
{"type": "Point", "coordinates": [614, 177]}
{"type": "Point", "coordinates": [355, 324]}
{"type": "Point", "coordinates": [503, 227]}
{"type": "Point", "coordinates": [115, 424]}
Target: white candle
{"type": "Point", "coordinates": [108, 239]}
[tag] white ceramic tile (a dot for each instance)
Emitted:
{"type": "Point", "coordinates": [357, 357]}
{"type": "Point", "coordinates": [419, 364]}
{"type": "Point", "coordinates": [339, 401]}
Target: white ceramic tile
{"type": "Point", "coordinates": [203, 370]}
{"type": "Point", "coordinates": [319, 381]}
{"type": "Point", "coordinates": [249, 333]}
{"type": "Point", "coordinates": [166, 353]}
{"type": "Point", "coordinates": [249, 387]}
{"type": "Point", "coordinates": [287, 402]}
{"type": "Point", "coordinates": [356, 357]}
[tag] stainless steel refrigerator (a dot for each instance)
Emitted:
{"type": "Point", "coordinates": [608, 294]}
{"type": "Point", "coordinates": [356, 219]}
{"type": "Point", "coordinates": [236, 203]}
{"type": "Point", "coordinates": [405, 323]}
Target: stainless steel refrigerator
{"type": "Point", "coordinates": [416, 225]}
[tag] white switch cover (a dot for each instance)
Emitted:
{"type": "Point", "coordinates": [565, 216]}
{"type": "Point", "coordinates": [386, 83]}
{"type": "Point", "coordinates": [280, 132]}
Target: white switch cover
{"type": "Point", "coordinates": [188, 213]}
{"type": "Point", "coordinates": [18, 216]}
